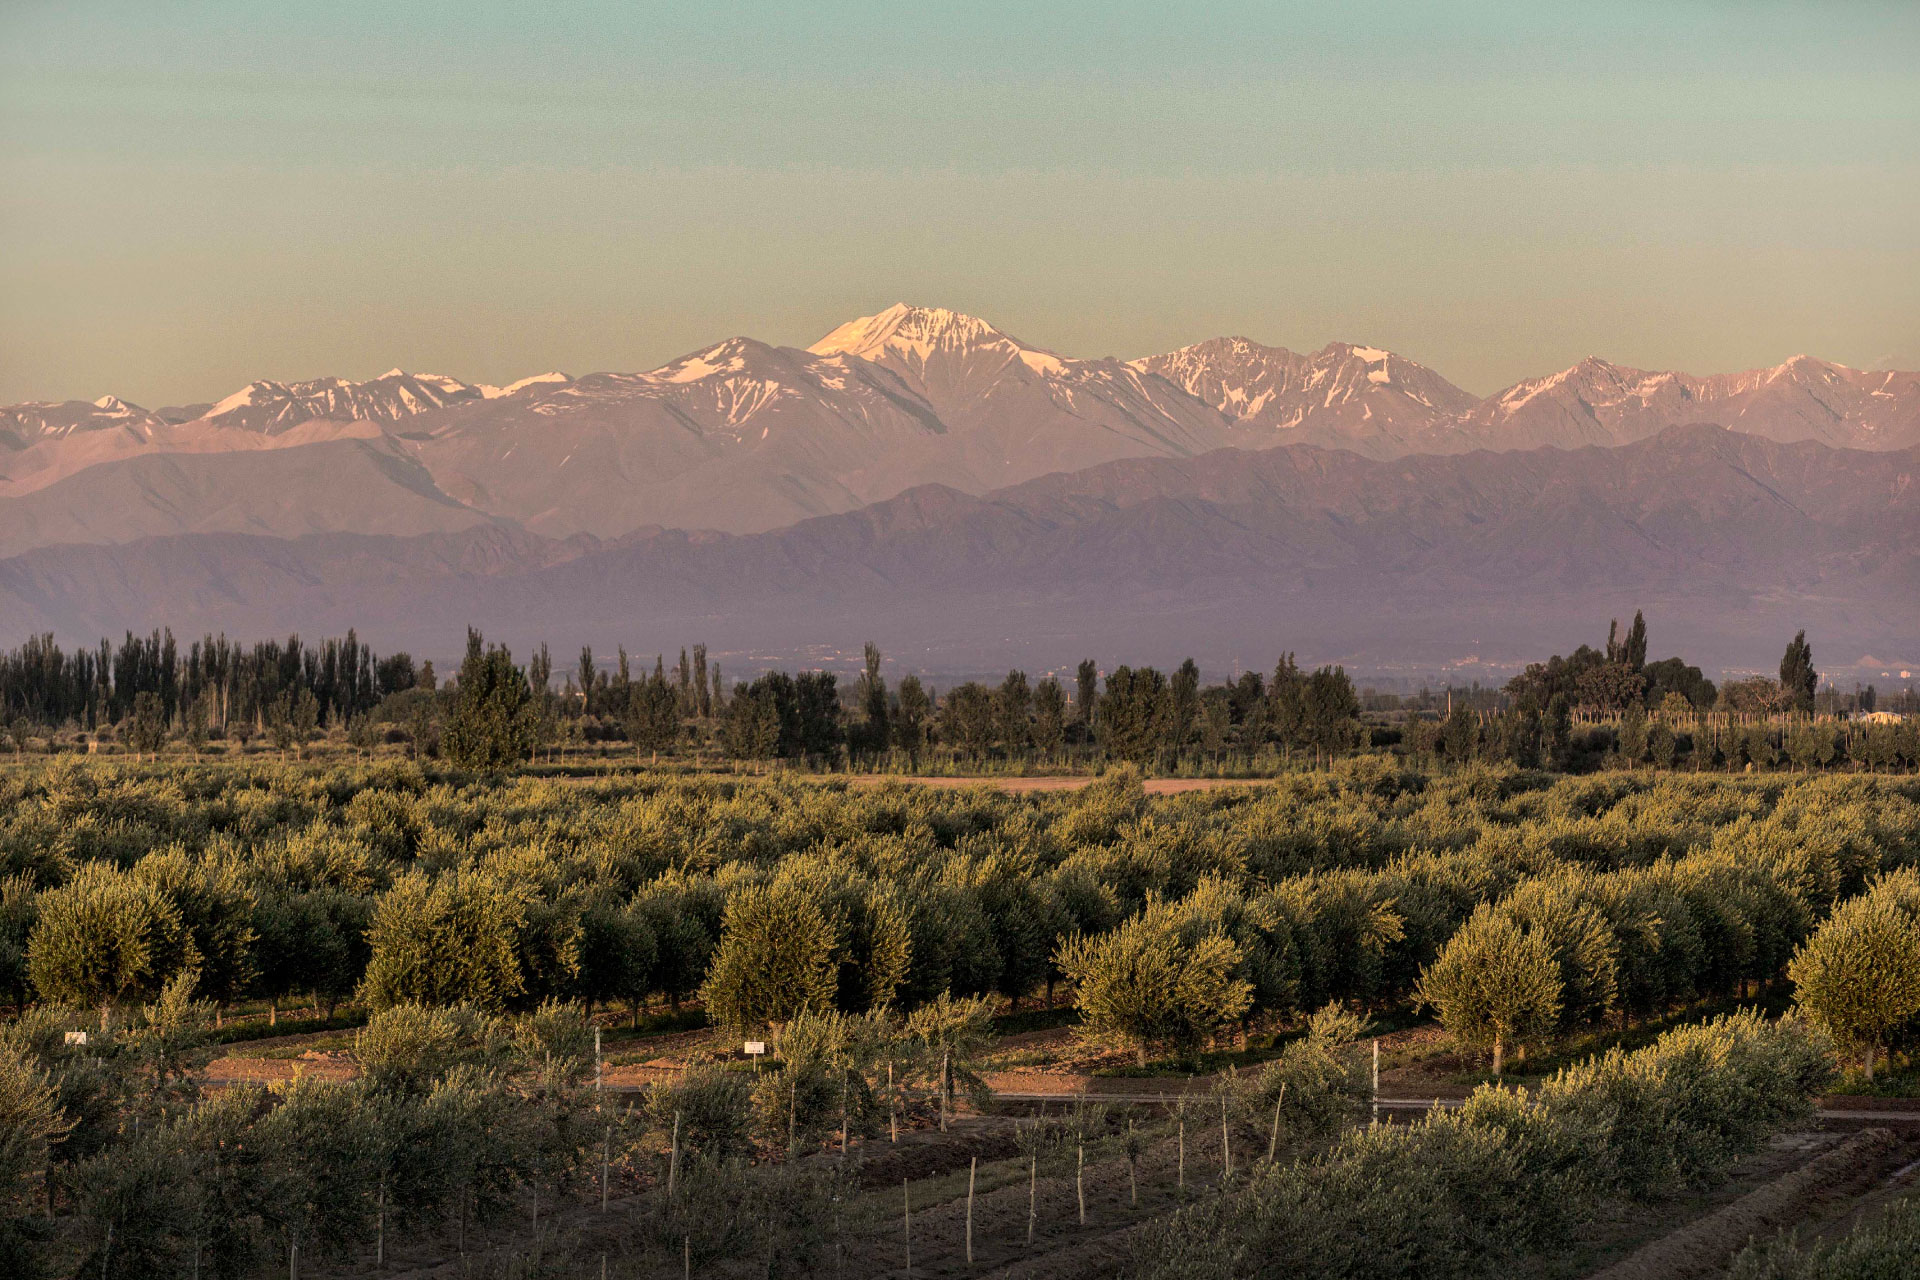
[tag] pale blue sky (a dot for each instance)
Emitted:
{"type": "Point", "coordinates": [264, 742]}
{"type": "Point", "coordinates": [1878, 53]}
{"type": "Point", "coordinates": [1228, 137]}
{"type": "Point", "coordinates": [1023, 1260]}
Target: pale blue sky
{"type": "Point", "coordinates": [192, 195]}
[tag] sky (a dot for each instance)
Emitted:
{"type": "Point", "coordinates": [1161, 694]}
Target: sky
{"type": "Point", "coordinates": [196, 195]}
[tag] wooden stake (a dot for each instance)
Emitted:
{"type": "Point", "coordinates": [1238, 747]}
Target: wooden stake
{"type": "Point", "coordinates": [1133, 1169]}
{"type": "Point", "coordinates": [893, 1110]}
{"type": "Point", "coordinates": [1080, 1182]}
{"type": "Point", "coordinates": [1033, 1188]}
{"type": "Point", "coordinates": [973, 1168]}
{"type": "Point", "coordinates": [673, 1161]}
{"type": "Point", "coordinates": [1273, 1143]}
{"type": "Point", "coordinates": [1376, 1079]}
{"type": "Point", "coordinates": [1183, 1145]}
{"type": "Point", "coordinates": [606, 1158]}
{"type": "Point", "coordinates": [1226, 1143]}
{"type": "Point", "coordinates": [686, 1257]}
{"type": "Point", "coordinates": [906, 1223]}
{"type": "Point", "coordinates": [380, 1228]}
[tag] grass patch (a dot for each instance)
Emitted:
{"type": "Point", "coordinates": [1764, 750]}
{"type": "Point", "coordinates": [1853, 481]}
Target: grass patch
{"type": "Point", "coordinates": [1262, 1047]}
{"type": "Point", "coordinates": [345, 1018]}
{"type": "Point", "coordinates": [1570, 1050]}
{"type": "Point", "coordinates": [1013, 1024]}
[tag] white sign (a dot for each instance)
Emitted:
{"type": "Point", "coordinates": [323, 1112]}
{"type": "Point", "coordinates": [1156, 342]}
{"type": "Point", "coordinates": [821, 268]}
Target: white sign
{"type": "Point", "coordinates": [755, 1048]}
{"type": "Point", "coordinates": [76, 1037]}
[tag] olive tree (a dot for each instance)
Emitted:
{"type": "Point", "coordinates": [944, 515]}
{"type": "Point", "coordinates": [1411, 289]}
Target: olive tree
{"type": "Point", "coordinates": [450, 940]}
{"type": "Point", "coordinates": [1148, 983]}
{"type": "Point", "coordinates": [1494, 983]}
{"type": "Point", "coordinates": [1859, 974]}
{"type": "Point", "coordinates": [778, 956]}
{"type": "Point", "coordinates": [105, 936]}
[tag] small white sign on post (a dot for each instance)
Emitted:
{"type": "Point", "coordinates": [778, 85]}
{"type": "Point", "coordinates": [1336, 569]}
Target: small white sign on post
{"type": "Point", "coordinates": [754, 1048]}
{"type": "Point", "coordinates": [76, 1037]}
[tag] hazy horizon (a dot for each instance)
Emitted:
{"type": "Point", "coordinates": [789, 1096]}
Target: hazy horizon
{"type": "Point", "coordinates": [198, 197]}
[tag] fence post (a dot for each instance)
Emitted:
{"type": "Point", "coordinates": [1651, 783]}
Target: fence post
{"type": "Point", "coordinates": [906, 1223]}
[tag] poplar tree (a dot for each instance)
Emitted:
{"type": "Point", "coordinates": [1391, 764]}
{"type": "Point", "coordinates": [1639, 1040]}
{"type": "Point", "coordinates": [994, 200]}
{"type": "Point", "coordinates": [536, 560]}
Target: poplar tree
{"type": "Point", "coordinates": [1634, 651]}
{"type": "Point", "coordinates": [492, 723]}
{"type": "Point", "coordinates": [702, 694]}
{"type": "Point", "coordinates": [872, 693]}
{"type": "Point", "coordinates": [1798, 679]}
{"type": "Point", "coordinates": [1013, 703]}
{"type": "Point", "coordinates": [913, 709]}
{"type": "Point", "coordinates": [1086, 686]}
{"type": "Point", "coordinates": [1183, 704]}
{"type": "Point", "coordinates": [1049, 716]}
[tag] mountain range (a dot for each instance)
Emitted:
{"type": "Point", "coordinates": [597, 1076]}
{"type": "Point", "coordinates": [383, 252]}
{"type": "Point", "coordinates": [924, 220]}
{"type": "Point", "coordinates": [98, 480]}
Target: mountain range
{"type": "Point", "coordinates": [921, 475]}
{"type": "Point", "coordinates": [742, 437]}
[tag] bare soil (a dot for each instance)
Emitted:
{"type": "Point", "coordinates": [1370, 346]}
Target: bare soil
{"type": "Point", "coordinates": [1815, 1190]}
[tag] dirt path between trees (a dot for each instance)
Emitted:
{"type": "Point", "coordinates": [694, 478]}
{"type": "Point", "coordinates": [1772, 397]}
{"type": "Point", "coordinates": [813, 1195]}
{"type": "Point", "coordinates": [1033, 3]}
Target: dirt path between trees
{"type": "Point", "coordinates": [1704, 1246]}
{"type": "Point", "coordinates": [1152, 786]}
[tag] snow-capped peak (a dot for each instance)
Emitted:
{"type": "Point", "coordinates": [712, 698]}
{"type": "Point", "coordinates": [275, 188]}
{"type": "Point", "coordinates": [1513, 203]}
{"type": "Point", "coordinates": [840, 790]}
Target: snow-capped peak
{"type": "Point", "coordinates": [272, 407]}
{"type": "Point", "coordinates": [916, 333]}
{"type": "Point", "coordinates": [731, 356]}
{"type": "Point", "coordinates": [491, 392]}
{"type": "Point", "coordinates": [239, 399]}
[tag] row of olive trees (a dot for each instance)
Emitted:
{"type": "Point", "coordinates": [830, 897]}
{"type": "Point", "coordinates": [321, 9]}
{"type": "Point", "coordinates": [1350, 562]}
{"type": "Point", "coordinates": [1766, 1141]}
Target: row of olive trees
{"type": "Point", "coordinates": [457, 1121]}
{"type": "Point", "coordinates": [1510, 944]}
{"type": "Point", "coordinates": [1167, 936]}
{"type": "Point", "coordinates": [1509, 1175]}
